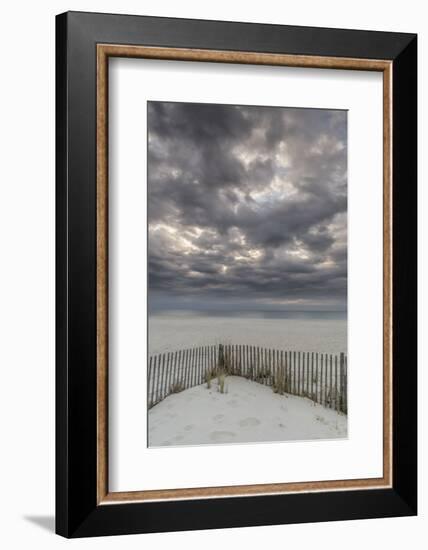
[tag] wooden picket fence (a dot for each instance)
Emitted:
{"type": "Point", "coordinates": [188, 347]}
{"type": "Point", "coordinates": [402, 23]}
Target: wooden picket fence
{"type": "Point", "coordinates": [321, 377]}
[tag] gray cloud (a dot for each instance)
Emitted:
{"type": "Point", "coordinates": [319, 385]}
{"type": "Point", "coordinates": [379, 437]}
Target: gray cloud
{"type": "Point", "coordinates": [247, 205]}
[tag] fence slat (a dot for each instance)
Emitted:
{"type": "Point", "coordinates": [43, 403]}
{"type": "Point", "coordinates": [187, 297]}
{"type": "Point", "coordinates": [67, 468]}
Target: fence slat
{"type": "Point", "coordinates": [151, 382]}
{"type": "Point", "coordinates": [162, 382]}
{"type": "Point", "coordinates": [272, 368]}
{"type": "Point", "coordinates": [177, 369]}
{"type": "Point", "coordinates": [342, 386]}
{"type": "Point", "coordinates": [266, 362]}
{"type": "Point", "coordinates": [316, 378]}
{"type": "Point", "coordinates": [159, 377]}
{"type": "Point", "coordinates": [198, 362]}
{"type": "Point", "coordinates": [165, 381]}
{"type": "Point", "coordinates": [244, 364]}
{"type": "Point", "coordinates": [188, 367]}
{"type": "Point", "coordinates": [326, 380]}
{"type": "Point", "coordinates": [176, 363]}
{"type": "Point", "coordinates": [170, 367]}
{"type": "Point", "coordinates": [195, 370]}
{"type": "Point", "coordinates": [336, 395]}
{"type": "Point", "coordinates": [165, 386]}
{"type": "Point", "coordinates": [346, 382]}
{"type": "Point", "coordinates": [192, 364]}
{"type": "Point", "coordinates": [238, 358]}
{"type": "Point", "coordinates": [303, 372]}
{"type": "Point", "coordinates": [308, 373]}
{"type": "Point", "coordinates": [171, 371]}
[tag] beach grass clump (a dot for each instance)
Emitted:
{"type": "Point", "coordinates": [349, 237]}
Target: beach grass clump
{"type": "Point", "coordinates": [210, 375]}
{"type": "Point", "coordinates": [263, 374]}
{"type": "Point", "coordinates": [279, 384]}
{"type": "Point", "coordinates": [177, 387]}
{"type": "Point", "coordinates": [249, 375]}
{"type": "Point", "coordinates": [221, 379]}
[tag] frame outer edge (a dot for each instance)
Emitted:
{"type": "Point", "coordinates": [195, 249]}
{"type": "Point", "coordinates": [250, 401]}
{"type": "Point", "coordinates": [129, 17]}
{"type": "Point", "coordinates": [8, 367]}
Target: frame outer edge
{"type": "Point", "coordinates": [99, 520]}
{"type": "Point", "coordinates": [405, 274]}
{"type": "Point", "coordinates": [61, 268]}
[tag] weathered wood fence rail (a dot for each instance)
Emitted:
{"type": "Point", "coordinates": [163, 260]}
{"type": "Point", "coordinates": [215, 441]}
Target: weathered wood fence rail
{"type": "Point", "coordinates": [321, 377]}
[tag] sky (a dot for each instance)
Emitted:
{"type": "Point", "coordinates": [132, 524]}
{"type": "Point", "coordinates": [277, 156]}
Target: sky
{"type": "Point", "coordinates": [247, 208]}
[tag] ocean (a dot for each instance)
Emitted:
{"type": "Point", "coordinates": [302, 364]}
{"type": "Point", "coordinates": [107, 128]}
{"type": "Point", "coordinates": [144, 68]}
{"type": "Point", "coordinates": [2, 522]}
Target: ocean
{"type": "Point", "coordinates": [292, 330]}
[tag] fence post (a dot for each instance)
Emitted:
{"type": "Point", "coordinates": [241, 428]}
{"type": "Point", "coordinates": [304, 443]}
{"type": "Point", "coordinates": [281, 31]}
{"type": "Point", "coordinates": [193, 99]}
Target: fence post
{"type": "Point", "coordinates": [220, 356]}
{"type": "Point", "coordinates": [342, 387]}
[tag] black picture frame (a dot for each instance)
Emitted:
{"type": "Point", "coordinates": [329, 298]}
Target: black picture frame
{"type": "Point", "coordinates": [77, 512]}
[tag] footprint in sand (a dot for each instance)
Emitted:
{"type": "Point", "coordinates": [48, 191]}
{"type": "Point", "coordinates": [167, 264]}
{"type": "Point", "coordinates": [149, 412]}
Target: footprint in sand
{"type": "Point", "coordinates": [247, 422]}
{"type": "Point", "coordinates": [222, 437]}
{"type": "Point", "coordinates": [218, 417]}
{"type": "Point", "coordinates": [189, 427]}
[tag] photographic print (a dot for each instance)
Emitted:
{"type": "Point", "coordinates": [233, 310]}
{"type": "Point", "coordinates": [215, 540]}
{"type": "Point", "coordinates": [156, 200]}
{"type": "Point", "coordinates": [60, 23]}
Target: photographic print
{"type": "Point", "coordinates": [247, 274]}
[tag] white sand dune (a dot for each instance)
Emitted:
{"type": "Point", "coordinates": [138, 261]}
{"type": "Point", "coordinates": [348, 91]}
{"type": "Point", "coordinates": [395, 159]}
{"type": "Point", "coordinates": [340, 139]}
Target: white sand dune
{"type": "Point", "coordinates": [247, 412]}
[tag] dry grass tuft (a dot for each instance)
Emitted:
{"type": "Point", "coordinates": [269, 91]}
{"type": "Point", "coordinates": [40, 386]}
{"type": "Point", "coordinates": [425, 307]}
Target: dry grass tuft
{"type": "Point", "coordinates": [177, 387]}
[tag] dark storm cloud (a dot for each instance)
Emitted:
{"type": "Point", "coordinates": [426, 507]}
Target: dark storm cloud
{"type": "Point", "coordinates": [247, 204]}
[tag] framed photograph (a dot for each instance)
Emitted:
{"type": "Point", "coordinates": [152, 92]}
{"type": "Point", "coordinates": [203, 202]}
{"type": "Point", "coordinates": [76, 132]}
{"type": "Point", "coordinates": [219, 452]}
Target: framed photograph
{"type": "Point", "coordinates": [236, 274]}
